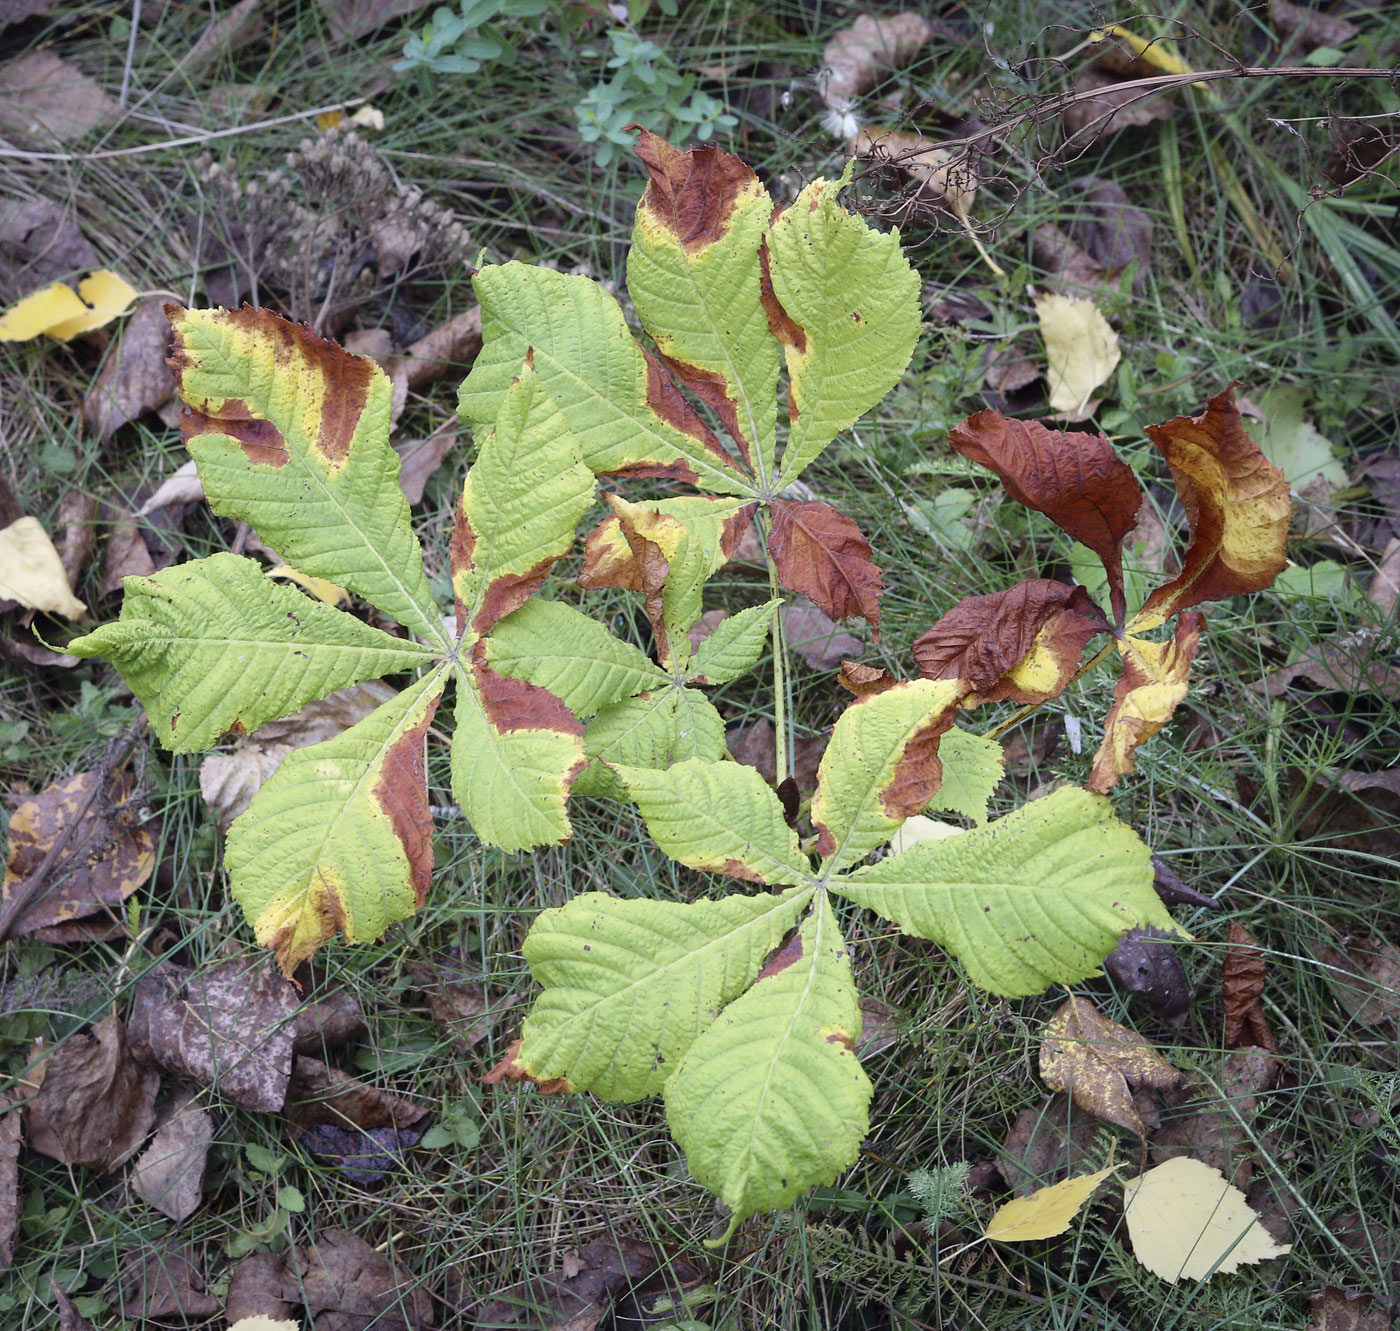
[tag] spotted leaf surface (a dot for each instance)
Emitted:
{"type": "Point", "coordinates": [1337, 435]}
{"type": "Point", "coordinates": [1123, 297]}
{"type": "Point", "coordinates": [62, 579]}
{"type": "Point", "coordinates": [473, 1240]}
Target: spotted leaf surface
{"type": "Point", "coordinates": [771, 1099]}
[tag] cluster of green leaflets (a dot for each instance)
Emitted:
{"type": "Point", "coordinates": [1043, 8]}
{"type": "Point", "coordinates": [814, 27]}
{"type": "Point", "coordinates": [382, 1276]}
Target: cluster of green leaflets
{"type": "Point", "coordinates": [740, 1009]}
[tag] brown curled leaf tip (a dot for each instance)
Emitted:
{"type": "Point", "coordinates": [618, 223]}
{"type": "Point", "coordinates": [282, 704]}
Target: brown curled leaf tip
{"type": "Point", "coordinates": [402, 792]}
{"type": "Point", "coordinates": [864, 680]}
{"type": "Point", "coordinates": [781, 958]}
{"type": "Point", "coordinates": [510, 1069]}
{"type": "Point", "coordinates": [693, 190]}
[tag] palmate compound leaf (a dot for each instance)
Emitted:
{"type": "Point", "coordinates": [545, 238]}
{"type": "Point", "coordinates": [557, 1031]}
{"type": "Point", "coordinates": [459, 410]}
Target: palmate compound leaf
{"type": "Point", "coordinates": [880, 767]}
{"type": "Point", "coordinates": [1187, 1223]}
{"type": "Point", "coordinates": [1035, 898]}
{"type": "Point", "coordinates": [629, 984]}
{"type": "Point", "coordinates": [291, 435]}
{"type": "Point", "coordinates": [771, 1099]}
{"type": "Point", "coordinates": [214, 645]}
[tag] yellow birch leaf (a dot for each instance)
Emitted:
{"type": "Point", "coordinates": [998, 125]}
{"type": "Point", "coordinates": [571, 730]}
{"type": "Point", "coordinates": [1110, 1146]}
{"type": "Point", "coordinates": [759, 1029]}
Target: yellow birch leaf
{"type": "Point", "coordinates": [1045, 1212]}
{"type": "Point", "coordinates": [61, 312]}
{"type": "Point", "coordinates": [1082, 351]}
{"type": "Point", "coordinates": [32, 573]}
{"type": "Point", "coordinates": [1187, 1223]}
{"type": "Point", "coordinates": [323, 589]}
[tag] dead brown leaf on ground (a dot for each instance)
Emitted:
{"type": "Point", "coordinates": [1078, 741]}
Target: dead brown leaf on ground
{"type": "Point", "coordinates": [1047, 1142]}
{"type": "Point", "coordinates": [169, 1173]}
{"type": "Point", "coordinates": [229, 1027]}
{"type": "Point", "coordinates": [32, 656]}
{"type": "Point", "coordinates": [16, 11]}
{"type": "Point", "coordinates": [94, 1104]}
{"type": "Point", "coordinates": [755, 745]}
{"type": "Point", "coordinates": [69, 1318]}
{"type": "Point", "coordinates": [39, 243]}
{"type": "Point", "coordinates": [578, 1295]}
{"type": "Point", "coordinates": [127, 555]}
{"type": "Point", "coordinates": [816, 637]}
{"type": "Point", "coordinates": [104, 852]}
{"type": "Point", "coordinates": [1384, 590]}
{"type": "Point", "coordinates": [340, 1283]}
{"type": "Point", "coordinates": [1008, 368]}
{"type": "Point", "coordinates": [11, 1132]}
{"type": "Point", "coordinates": [328, 1023]}
{"type": "Point", "coordinates": [1068, 267]}
{"type": "Point", "coordinates": [228, 781]}
{"type": "Point", "coordinates": [420, 458]}
{"type": "Point", "coordinates": [1098, 1062]}
{"type": "Point", "coordinates": [1104, 106]}
{"type": "Point", "coordinates": [859, 57]}
{"type": "Point", "coordinates": [352, 19]}
{"type": "Point", "coordinates": [164, 1284]}
{"type": "Point", "coordinates": [1110, 229]}
{"type": "Point", "coordinates": [1310, 28]}
{"type": "Point", "coordinates": [943, 178]}
{"type": "Point", "coordinates": [1358, 661]}
{"type": "Point", "coordinates": [1336, 1309]}
{"type": "Point", "coordinates": [134, 378]}
{"type": "Point", "coordinates": [46, 100]}
{"type": "Point", "coordinates": [1365, 976]}
{"type": "Point", "coordinates": [1146, 963]}
{"type": "Point", "coordinates": [238, 27]}
{"type": "Point", "coordinates": [77, 527]}
{"type": "Point", "coordinates": [449, 349]}
{"type": "Point", "coordinates": [1243, 989]}
{"type": "Point", "coordinates": [457, 999]}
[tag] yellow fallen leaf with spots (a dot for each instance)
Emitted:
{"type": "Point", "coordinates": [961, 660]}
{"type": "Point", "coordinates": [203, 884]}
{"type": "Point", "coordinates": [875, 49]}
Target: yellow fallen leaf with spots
{"type": "Point", "coordinates": [1045, 1212]}
{"type": "Point", "coordinates": [63, 313]}
{"type": "Point", "coordinates": [1081, 350]}
{"type": "Point", "coordinates": [1187, 1223]}
{"type": "Point", "coordinates": [32, 573]}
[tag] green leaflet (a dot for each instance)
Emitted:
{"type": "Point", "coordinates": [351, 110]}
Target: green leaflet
{"type": "Point", "coordinates": [213, 644]}
{"type": "Point", "coordinates": [736, 644]}
{"type": "Point", "coordinates": [340, 836]}
{"type": "Point", "coordinates": [880, 767]}
{"type": "Point", "coordinates": [613, 970]}
{"type": "Point", "coordinates": [722, 817]}
{"type": "Point", "coordinates": [1036, 898]}
{"type": "Point", "coordinates": [520, 506]}
{"type": "Point", "coordinates": [625, 414]}
{"type": "Point", "coordinates": [972, 770]}
{"type": "Point", "coordinates": [772, 1100]}
{"type": "Point", "coordinates": [693, 275]}
{"type": "Point", "coordinates": [573, 656]}
{"type": "Point", "coordinates": [855, 301]}
{"type": "Point", "coordinates": [650, 730]}
{"type": "Point", "coordinates": [291, 435]}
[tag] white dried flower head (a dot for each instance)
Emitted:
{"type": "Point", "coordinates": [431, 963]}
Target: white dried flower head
{"type": "Point", "coordinates": [840, 119]}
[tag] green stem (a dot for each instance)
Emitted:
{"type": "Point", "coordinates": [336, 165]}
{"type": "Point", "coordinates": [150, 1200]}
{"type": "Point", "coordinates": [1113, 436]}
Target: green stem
{"type": "Point", "coordinates": [1030, 709]}
{"type": "Point", "coordinates": [780, 685]}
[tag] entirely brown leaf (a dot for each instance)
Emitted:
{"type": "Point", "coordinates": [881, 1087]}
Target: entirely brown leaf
{"type": "Point", "coordinates": [863, 680]}
{"type": "Point", "coordinates": [944, 178]}
{"type": "Point", "coordinates": [344, 1284]}
{"type": "Point", "coordinates": [39, 243]}
{"type": "Point", "coordinates": [457, 999]}
{"type": "Point", "coordinates": [169, 1173]}
{"type": "Point", "coordinates": [229, 1027]}
{"type": "Point", "coordinates": [95, 1104]}
{"type": "Point", "coordinates": [134, 378]}
{"type": "Point", "coordinates": [108, 853]}
{"type": "Point", "coordinates": [77, 516]}
{"type": "Point", "coordinates": [1366, 979]}
{"type": "Point", "coordinates": [1236, 503]}
{"type": "Point", "coordinates": [164, 1284]}
{"type": "Point", "coordinates": [1243, 986]}
{"type": "Point", "coordinates": [1075, 479]}
{"type": "Point", "coordinates": [755, 745]}
{"type": "Point", "coordinates": [1146, 963]}
{"type": "Point", "coordinates": [1068, 268]}
{"type": "Point", "coordinates": [448, 349]}
{"type": "Point", "coordinates": [328, 1023]}
{"type": "Point", "coordinates": [1103, 106]}
{"type": "Point", "coordinates": [254, 1289]}
{"type": "Point", "coordinates": [238, 27]}
{"type": "Point", "coordinates": [816, 637]}
{"type": "Point", "coordinates": [576, 1296]}
{"type": "Point", "coordinates": [1022, 644]}
{"type": "Point", "coordinates": [1047, 1142]}
{"type": "Point", "coordinates": [1310, 28]}
{"type": "Point", "coordinates": [352, 19]}
{"type": "Point", "coordinates": [11, 1130]}
{"type": "Point", "coordinates": [1112, 232]}
{"type": "Point", "coordinates": [1384, 590]}
{"type": "Point", "coordinates": [1097, 1061]}
{"type": "Point", "coordinates": [46, 101]}
{"type": "Point", "coordinates": [1156, 677]}
{"type": "Point", "coordinates": [69, 1318]}
{"type": "Point", "coordinates": [822, 554]}
{"type": "Point", "coordinates": [1347, 1310]}
{"type": "Point", "coordinates": [419, 459]}
{"type": "Point", "coordinates": [1354, 662]}
{"type": "Point", "coordinates": [858, 57]}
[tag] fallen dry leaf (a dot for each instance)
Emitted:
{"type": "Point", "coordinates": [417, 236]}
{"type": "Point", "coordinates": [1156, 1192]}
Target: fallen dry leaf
{"type": "Point", "coordinates": [420, 458]}
{"type": "Point", "coordinates": [253, 1290]}
{"type": "Point", "coordinates": [77, 516]}
{"type": "Point", "coordinates": [62, 313]}
{"type": "Point", "coordinates": [228, 34]}
{"type": "Point", "coordinates": [1384, 590]}
{"type": "Point", "coordinates": [855, 59]}
{"type": "Point", "coordinates": [944, 177]}
{"type": "Point", "coordinates": [1067, 266]}
{"type": "Point", "coordinates": [1081, 350]}
{"type": "Point", "coordinates": [134, 378]}
{"type": "Point", "coordinates": [1337, 1309]}
{"type": "Point", "coordinates": [448, 349]}
{"type": "Point", "coordinates": [32, 573]}
{"type": "Point", "coordinates": [1365, 976]}
{"type": "Point", "coordinates": [39, 242]}
{"type": "Point", "coordinates": [107, 853]}
{"type": "Point", "coordinates": [1357, 661]}
{"type": "Point", "coordinates": [94, 1104]}
{"type": "Point", "coordinates": [11, 1131]}
{"type": "Point", "coordinates": [164, 1284]}
{"type": "Point", "coordinates": [1046, 1142]}
{"type": "Point", "coordinates": [328, 1023]}
{"type": "Point", "coordinates": [352, 19]}
{"type": "Point", "coordinates": [69, 1318]}
{"type": "Point", "coordinates": [457, 999]}
{"type": "Point", "coordinates": [47, 102]}
{"type": "Point", "coordinates": [1310, 28]}
{"type": "Point", "coordinates": [229, 1027]}
{"type": "Point", "coordinates": [816, 637]}
{"type": "Point", "coordinates": [169, 1173]}
{"type": "Point", "coordinates": [579, 1294]}
{"type": "Point", "coordinates": [1145, 962]}
{"type": "Point", "coordinates": [1103, 106]}
{"type": "Point", "coordinates": [1243, 987]}
{"type": "Point", "coordinates": [228, 781]}
{"type": "Point", "coordinates": [1111, 231]}
{"type": "Point", "coordinates": [1097, 1061]}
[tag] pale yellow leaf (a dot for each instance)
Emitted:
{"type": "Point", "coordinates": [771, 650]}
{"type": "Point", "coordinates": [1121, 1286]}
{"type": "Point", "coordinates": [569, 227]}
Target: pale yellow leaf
{"type": "Point", "coordinates": [921, 828]}
{"type": "Point", "coordinates": [61, 312]}
{"type": "Point", "coordinates": [32, 573]}
{"type": "Point", "coordinates": [1082, 351]}
{"type": "Point", "coordinates": [323, 589]}
{"type": "Point", "coordinates": [1186, 1222]}
{"type": "Point", "coordinates": [107, 295]}
{"type": "Point", "coordinates": [1046, 1212]}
